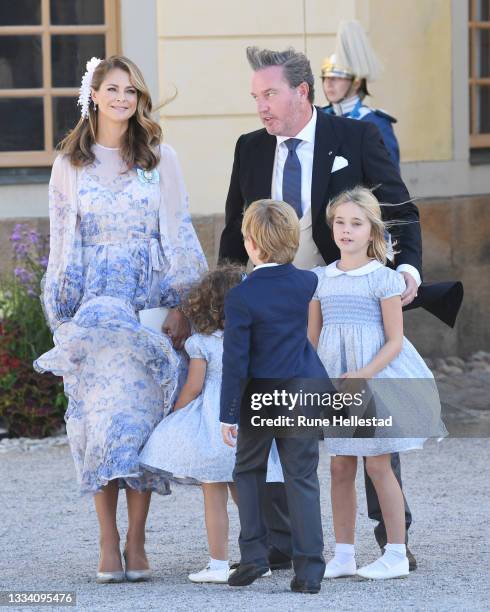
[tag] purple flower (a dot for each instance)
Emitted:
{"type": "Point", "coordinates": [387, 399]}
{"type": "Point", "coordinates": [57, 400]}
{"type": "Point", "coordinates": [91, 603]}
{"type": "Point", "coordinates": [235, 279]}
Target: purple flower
{"type": "Point", "coordinates": [20, 250]}
{"type": "Point", "coordinates": [33, 237]}
{"type": "Point", "coordinates": [24, 275]}
{"type": "Point", "coordinates": [19, 272]}
{"type": "Point", "coordinates": [15, 237]}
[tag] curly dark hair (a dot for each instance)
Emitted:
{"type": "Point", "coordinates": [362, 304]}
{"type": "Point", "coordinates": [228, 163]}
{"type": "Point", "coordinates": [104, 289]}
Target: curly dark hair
{"type": "Point", "coordinates": [205, 303]}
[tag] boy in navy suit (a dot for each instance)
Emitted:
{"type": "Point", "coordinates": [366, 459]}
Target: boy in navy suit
{"type": "Point", "coordinates": [265, 337]}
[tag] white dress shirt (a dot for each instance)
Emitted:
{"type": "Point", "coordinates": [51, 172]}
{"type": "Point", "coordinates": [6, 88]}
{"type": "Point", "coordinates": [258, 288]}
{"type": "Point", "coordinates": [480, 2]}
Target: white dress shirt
{"type": "Point", "coordinates": [305, 152]}
{"type": "Point", "coordinates": [265, 265]}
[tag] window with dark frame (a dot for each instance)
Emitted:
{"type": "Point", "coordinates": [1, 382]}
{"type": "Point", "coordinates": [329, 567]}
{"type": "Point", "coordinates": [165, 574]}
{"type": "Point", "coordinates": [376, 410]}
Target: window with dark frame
{"type": "Point", "coordinates": [44, 46]}
{"type": "Point", "coordinates": [479, 39]}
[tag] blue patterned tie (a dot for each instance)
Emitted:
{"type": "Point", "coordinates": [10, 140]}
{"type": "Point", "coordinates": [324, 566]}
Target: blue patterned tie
{"type": "Point", "coordinates": [291, 178]}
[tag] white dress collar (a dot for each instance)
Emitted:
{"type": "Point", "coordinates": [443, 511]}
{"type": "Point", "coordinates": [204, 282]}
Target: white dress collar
{"type": "Point", "coordinates": [332, 270]}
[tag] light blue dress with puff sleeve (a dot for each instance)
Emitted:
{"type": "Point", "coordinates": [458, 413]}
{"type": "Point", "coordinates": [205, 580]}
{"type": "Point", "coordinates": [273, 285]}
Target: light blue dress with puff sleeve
{"type": "Point", "coordinates": [188, 443]}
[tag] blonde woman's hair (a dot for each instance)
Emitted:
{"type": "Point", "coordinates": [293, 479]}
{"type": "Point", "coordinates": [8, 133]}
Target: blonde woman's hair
{"type": "Point", "coordinates": [141, 140]}
{"type": "Point", "coordinates": [364, 198]}
{"type": "Point", "coordinates": [274, 227]}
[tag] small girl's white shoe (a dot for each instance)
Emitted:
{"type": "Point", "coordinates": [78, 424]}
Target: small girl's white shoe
{"type": "Point", "coordinates": [380, 570]}
{"type": "Point", "coordinates": [218, 576]}
{"type": "Point", "coordinates": [335, 569]}
{"type": "Point", "coordinates": [108, 577]}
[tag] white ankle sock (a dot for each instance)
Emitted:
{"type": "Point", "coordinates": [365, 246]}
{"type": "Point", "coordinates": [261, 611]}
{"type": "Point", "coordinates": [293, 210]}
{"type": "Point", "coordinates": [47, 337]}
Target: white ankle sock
{"type": "Point", "coordinates": [218, 564]}
{"type": "Point", "coordinates": [394, 553]}
{"type": "Point", "coordinates": [344, 553]}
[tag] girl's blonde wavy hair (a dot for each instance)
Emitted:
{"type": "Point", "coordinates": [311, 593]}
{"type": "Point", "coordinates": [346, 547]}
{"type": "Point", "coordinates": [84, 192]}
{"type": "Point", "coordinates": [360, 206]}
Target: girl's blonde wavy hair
{"type": "Point", "coordinates": [141, 140]}
{"type": "Point", "coordinates": [364, 198]}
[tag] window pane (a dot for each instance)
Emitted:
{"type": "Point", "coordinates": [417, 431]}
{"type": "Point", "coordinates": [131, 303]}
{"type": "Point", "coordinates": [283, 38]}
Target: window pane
{"type": "Point", "coordinates": [21, 124]}
{"type": "Point", "coordinates": [77, 12]}
{"type": "Point", "coordinates": [482, 55]}
{"type": "Point", "coordinates": [66, 114]}
{"type": "Point", "coordinates": [482, 10]}
{"type": "Point", "coordinates": [20, 12]}
{"type": "Point", "coordinates": [20, 62]}
{"type": "Point", "coordinates": [483, 114]}
{"type": "Point", "coordinates": [70, 53]}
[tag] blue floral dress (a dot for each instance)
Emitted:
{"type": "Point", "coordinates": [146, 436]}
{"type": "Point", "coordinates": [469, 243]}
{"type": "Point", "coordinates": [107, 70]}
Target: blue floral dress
{"type": "Point", "coordinates": [121, 241]}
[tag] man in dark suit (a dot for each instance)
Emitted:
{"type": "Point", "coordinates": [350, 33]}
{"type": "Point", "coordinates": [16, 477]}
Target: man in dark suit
{"type": "Point", "coordinates": [306, 158]}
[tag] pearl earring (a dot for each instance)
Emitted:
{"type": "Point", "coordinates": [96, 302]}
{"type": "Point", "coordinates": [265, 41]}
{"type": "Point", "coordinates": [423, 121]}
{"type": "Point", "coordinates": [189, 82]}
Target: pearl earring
{"type": "Point", "coordinates": [95, 106]}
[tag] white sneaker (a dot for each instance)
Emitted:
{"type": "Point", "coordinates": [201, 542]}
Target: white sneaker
{"type": "Point", "coordinates": [380, 570]}
{"type": "Point", "coordinates": [335, 569]}
{"type": "Point", "coordinates": [209, 575]}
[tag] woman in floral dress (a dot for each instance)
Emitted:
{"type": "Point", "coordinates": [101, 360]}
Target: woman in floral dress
{"type": "Point", "coordinates": [121, 240]}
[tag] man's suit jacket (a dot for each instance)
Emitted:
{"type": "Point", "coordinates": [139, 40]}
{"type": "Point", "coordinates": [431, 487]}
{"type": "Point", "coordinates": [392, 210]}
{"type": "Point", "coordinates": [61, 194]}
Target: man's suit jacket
{"type": "Point", "coordinates": [369, 164]}
{"type": "Point", "coordinates": [266, 319]}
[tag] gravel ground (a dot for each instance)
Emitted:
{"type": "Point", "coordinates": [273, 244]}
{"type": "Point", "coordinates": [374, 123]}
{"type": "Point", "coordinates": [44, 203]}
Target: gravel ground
{"type": "Point", "coordinates": [48, 540]}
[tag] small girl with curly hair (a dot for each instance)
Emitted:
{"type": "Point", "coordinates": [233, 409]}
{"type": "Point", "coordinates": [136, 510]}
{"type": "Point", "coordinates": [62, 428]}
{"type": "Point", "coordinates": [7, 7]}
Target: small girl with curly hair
{"type": "Point", "coordinates": [187, 443]}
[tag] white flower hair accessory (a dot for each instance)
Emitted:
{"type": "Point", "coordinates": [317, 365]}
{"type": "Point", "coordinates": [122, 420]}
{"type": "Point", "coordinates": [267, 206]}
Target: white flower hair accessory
{"type": "Point", "coordinates": [85, 94]}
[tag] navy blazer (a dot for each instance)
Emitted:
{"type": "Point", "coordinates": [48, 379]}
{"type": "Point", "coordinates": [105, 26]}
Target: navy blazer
{"type": "Point", "coordinates": [266, 319]}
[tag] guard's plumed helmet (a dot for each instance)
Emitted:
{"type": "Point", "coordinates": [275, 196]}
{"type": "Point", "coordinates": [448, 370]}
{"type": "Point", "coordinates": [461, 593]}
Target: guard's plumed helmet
{"type": "Point", "coordinates": [354, 57]}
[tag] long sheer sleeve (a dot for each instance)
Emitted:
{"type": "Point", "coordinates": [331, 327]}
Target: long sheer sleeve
{"type": "Point", "coordinates": [62, 283]}
{"type": "Point", "coordinates": [180, 244]}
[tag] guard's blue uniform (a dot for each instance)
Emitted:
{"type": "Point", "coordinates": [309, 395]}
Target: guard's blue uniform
{"type": "Point", "coordinates": [381, 120]}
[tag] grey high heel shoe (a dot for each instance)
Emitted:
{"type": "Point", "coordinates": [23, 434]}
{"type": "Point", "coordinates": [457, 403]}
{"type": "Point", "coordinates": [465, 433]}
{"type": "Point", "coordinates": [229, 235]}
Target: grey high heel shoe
{"type": "Point", "coordinates": [109, 577]}
{"type": "Point", "coordinates": [142, 575]}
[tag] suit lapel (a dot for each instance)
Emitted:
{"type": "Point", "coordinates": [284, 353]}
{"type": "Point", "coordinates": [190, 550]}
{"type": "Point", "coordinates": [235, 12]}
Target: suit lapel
{"type": "Point", "coordinates": [263, 164]}
{"type": "Point", "coordinates": [326, 147]}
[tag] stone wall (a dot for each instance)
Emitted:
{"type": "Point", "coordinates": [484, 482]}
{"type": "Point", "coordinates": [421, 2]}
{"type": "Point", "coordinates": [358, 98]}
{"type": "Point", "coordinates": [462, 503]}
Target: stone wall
{"type": "Point", "coordinates": [456, 241]}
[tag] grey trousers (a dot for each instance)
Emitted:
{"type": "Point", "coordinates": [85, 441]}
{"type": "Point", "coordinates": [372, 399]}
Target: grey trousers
{"type": "Point", "coordinates": [300, 527]}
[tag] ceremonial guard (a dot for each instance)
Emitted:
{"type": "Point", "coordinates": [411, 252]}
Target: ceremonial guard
{"type": "Point", "coordinates": [345, 76]}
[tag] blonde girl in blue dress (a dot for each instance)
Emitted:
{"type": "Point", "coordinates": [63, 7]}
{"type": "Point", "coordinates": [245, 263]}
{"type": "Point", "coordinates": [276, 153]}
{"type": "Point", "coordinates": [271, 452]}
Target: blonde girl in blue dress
{"type": "Point", "coordinates": [121, 241]}
{"type": "Point", "coordinates": [356, 323]}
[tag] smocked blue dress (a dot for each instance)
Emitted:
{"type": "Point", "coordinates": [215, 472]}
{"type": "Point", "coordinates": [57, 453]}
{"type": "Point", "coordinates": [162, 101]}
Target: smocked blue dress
{"type": "Point", "coordinates": [351, 336]}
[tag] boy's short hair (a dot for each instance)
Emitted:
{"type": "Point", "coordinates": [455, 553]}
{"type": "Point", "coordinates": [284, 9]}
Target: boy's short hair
{"type": "Point", "coordinates": [274, 227]}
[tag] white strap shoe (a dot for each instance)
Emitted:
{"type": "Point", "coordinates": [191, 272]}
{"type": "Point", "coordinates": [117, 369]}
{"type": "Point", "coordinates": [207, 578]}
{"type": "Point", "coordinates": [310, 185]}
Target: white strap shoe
{"type": "Point", "coordinates": [209, 575]}
{"type": "Point", "coordinates": [335, 569]}
{"type": "Point", "coordinates": [380, 570]}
